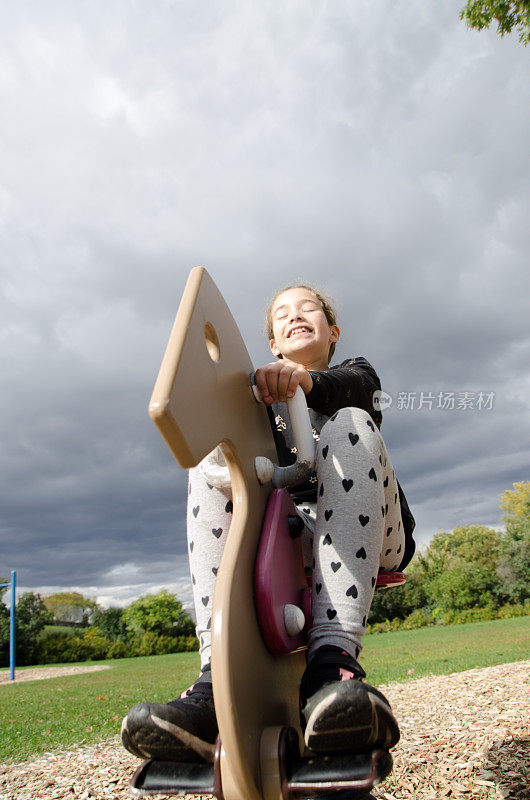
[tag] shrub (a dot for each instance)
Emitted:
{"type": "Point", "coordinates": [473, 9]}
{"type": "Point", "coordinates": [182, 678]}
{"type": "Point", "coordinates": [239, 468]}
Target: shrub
{"type": "Point", "coordinates": [58, 648]}
{"type": "Point", "coordinates": [57, 632]}
{"type": "Point", "coordinates": [98, 645]}
{"type": "Point", "coordinates": [119, 649]}
{"type": "Point", "coordinates": [187, 644]}
{"type": "Point", "coordinates": [422, 618]}
{"type": "Point", "coordinates": [153, 645]}
{"type": "Point", "coordinates": [516, 610]}
{"type": "Point", "coordinates": [418, 619]}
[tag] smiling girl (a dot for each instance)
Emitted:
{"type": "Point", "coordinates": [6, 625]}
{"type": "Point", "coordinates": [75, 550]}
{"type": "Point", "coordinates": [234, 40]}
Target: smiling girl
{"type": "Point", "coordinates": [356, 523]}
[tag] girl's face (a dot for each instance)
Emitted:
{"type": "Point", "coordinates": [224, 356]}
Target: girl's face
{"type": "Point", "coordinates": [301, 331]}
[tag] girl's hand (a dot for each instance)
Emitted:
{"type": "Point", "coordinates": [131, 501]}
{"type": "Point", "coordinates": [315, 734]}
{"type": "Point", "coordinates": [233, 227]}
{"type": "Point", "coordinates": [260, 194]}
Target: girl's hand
{"type": "Point", "coordinates": [279, 380]}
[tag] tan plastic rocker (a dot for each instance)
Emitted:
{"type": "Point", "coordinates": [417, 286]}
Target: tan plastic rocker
{"type": "Point", "coordinates": [203, 397]}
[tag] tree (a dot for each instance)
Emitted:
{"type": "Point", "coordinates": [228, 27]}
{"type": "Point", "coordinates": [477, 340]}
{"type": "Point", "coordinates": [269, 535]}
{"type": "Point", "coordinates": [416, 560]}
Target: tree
{"type": "Point", "coordinates": [470, 567]}
{"type": "Point", "coordinates": [401, 601]}
{"type": "Point", "coordinates": [509, 14]}
{"type": "Point", "coordinates": [460, 569]}
{"type": "Point", "coordinates": [160, 613]}
{"type": "Point", "coordinates": [516, 502]}
{"type": "Point", "coordinates": [110, 623]}
{"type": "Point", "coordinates": [31, 617]}
{"type": "Point", "coordinates": [70, 607]}
{"type": "Point", "coordinates": [5, 626]}
{"type": "Point", "coordinates": [514, 561]}
{"type": "Point", "coordinates": [474, 544]}
{"type": "Point", "coordinates": [4, 631]}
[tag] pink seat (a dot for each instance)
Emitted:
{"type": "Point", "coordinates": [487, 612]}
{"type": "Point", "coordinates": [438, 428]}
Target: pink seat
{"type": "Point", "coordinates": [387, 580]}
{"type": "Point", "coordinates": [280, 579]}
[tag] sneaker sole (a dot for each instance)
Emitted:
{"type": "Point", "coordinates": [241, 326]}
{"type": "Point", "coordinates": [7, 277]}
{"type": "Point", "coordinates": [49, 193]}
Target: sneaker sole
{"type": "Point", "coordinates": [350, 718]}
{"type": "Point", "coordinates": [146, 734]}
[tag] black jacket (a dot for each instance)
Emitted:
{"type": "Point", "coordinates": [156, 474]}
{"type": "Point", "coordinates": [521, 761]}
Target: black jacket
{"type": "Point", "coordinates": [351, 383]}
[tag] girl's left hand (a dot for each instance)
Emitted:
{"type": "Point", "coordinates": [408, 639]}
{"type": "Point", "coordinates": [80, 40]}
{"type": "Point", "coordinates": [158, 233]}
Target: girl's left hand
{"type": "Point", "coordinates": [279, 380]}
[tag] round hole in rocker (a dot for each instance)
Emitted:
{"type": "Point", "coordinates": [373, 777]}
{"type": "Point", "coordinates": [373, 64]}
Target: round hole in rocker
{"type": "Point", "coordinates": [212, 342]}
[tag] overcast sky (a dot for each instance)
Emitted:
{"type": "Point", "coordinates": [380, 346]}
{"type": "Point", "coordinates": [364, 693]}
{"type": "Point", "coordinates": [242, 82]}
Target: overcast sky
{"type": "Point", "coordinates": [377, 149]}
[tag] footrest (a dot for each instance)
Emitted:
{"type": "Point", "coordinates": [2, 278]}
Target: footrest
{"type": "Point", "coordinates": [338, 774]}
{"type": "Point", "coordinates": [174, 778]}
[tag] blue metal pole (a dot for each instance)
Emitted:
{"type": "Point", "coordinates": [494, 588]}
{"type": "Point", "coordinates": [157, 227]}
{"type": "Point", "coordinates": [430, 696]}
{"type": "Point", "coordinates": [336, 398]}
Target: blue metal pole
{"type": "Point", "coordinates": [12, 627]}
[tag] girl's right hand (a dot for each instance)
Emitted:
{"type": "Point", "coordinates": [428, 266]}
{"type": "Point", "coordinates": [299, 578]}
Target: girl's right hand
{"type": "Point", "coordinates": [279, 380]}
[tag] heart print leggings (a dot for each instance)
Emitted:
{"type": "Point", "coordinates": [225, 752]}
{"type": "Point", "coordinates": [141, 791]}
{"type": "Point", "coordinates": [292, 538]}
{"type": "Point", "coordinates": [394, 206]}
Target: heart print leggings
{"type": "Point", "coordinates": [353, 530]}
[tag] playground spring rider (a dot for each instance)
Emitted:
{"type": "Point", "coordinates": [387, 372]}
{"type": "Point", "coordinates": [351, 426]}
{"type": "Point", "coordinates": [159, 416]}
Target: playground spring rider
{"type": "Point", "coordinates": [203, 398]}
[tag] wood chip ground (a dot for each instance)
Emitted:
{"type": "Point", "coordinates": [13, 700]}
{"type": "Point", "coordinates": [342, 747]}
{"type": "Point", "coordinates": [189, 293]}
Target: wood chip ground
{"type": "Point", "coordinates": [465, 735]}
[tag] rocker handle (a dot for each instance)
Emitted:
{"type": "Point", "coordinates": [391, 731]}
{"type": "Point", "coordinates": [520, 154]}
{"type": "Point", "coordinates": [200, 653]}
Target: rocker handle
{"type": "Point", "coordinates": [302, 429]}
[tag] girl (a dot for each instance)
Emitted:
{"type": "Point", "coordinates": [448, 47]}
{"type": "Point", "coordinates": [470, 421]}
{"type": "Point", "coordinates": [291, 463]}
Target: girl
{"type": "Point", "coordinates": [357, 522]}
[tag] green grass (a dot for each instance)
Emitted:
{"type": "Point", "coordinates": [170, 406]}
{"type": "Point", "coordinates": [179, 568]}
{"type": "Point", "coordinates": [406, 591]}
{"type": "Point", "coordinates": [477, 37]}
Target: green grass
{"type": "Point", "coordinates": [62, 630]}
{"type": "Point", "coordinates": [39, 716]}
{"type": "Point", "coordinates": [447, 648]}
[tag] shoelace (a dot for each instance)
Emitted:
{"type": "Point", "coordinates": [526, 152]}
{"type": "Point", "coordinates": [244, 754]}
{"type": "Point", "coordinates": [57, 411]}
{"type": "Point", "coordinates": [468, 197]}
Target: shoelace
{"type": "Point", "coordinates": [201, 689]}
{"type": "Point", "coordinates": [330, 664]}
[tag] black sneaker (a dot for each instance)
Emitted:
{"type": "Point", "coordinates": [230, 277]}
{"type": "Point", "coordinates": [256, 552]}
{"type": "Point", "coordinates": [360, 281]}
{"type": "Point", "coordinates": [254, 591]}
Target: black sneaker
{"type": "Point", "coordinates": [182, 730]}
{"type": "Point", "coordinates": [340, 713]}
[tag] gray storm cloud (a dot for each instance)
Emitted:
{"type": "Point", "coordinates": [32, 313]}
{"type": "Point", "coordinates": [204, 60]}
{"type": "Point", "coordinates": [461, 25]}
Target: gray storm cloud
{"type": "Point", "coordinates": [378, 150]}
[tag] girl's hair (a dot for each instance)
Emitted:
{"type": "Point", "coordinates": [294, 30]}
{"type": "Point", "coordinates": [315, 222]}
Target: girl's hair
{"type": "Point", "coordinates": [328, 309]}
